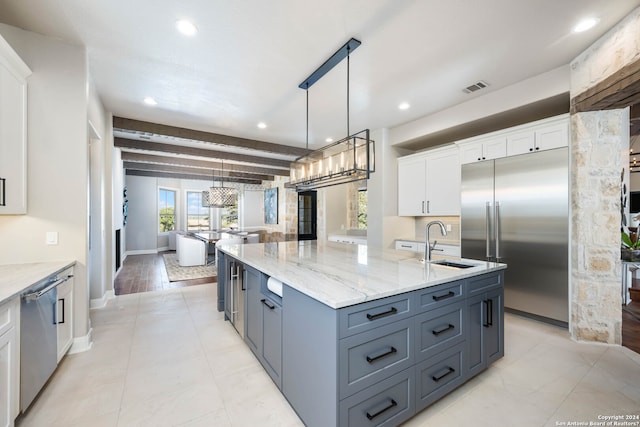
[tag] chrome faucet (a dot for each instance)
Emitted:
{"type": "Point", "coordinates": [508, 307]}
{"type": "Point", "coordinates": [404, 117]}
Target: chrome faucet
{"type": "Point", "coordinates": [428, 247]}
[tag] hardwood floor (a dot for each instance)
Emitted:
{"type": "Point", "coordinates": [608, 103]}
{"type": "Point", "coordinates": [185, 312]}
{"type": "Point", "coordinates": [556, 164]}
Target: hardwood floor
{"type": "Point", "coordinates": [143, 273]}
{"type": "Point", "coordinates": [631, 326]}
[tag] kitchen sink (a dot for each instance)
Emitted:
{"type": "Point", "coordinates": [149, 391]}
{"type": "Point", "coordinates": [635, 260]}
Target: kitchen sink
{"type": "Point", "coordinates": [452, 264]}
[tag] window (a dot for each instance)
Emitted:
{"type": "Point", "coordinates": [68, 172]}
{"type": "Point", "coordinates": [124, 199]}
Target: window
{"type": "Point", "coordinates": [229, 216]}
{"type": "Point", "coordinates": [197, 215]}
{"type": "Point", "coordinates": [167, 210]}
{"type": "Point", "coordinates": [362, 209]}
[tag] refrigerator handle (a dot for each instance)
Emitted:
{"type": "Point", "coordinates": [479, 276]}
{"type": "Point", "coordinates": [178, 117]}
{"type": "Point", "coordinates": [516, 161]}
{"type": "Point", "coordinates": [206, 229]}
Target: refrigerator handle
{"type": "Point", "coordinates": [487, 230]}
{"type": "Point", "coordinates": [498, 231]}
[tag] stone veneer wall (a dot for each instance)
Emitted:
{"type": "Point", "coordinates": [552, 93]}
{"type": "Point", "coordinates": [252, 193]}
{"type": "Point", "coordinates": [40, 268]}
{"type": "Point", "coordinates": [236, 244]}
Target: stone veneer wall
{"type": "Point", "coordinates": [598, 151]}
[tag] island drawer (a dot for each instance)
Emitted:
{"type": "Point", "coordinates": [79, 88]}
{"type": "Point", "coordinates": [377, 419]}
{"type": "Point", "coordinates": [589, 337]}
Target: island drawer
{"type": "Point", "coordinates": [369, 315]}
{"type": "Point", "coordinates": [439, 375]}
{"type": "Point", "coordinates": [388, 403]}
{"type": "Point", "coordinates": [371, 356]}
{"type": "Point", "coordinates": [482, 283]}
{"type": "Point", "coordinates": [437, 296]}
{"type": "Point", "coordinates": [439, 329]}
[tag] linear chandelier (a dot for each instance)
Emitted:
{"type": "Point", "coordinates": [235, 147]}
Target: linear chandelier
{"type": "Point", "coordinates": [219, 197]}
{"type": "Point", "coordinates": [347, 160]}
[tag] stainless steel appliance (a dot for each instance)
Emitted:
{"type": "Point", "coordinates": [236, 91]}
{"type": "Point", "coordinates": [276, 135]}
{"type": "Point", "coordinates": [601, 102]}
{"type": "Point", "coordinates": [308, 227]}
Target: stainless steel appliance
{"type": "Point", "coordinates": [515, 210]}
{"type": "Point", "coordinates": [234, 273]}
{"type": "Point", "coordinates": [38, 337]}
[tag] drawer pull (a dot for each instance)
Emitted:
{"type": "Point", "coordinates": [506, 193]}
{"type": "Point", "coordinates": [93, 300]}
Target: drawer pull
{"type": "Point", "coordinates": [271, 306]}
{"type": "Point", "coordinates": [391, 311]}
{"type": "Point", "coordinates": [393, 404]}
{"type": "Point", "coordinates": [449, 370]}
{"type": "Point", "coordinates": [445, 296]}
{"type": "Point", "coordinates": [372, 359]}
{"type": "Point", "coordinates": [445, 329]}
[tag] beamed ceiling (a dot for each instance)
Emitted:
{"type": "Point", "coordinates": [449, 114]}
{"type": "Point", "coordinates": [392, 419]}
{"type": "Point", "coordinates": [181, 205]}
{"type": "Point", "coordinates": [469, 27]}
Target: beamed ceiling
{"type": "Point", "coordinates": [158, 150]}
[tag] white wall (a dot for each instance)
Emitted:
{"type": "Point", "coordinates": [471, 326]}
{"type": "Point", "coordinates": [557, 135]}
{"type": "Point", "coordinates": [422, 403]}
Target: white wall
{"type": "Point", "coordinates": [252, 208]}
{"type": "Point", "coordinates": [142, 223]}
{"type": "Point", "coordinates": [57, 162]}
{"type": "Point", "coordinates": [537, 88]}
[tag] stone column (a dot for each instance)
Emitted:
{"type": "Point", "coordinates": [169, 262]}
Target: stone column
{"type": "Point", "coordinates": [599, 152]}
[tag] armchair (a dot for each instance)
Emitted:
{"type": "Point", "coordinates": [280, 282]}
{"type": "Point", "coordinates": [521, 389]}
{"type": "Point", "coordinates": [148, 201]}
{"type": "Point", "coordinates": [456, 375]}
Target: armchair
{"type": "Point", "coordinates": [190, 251]}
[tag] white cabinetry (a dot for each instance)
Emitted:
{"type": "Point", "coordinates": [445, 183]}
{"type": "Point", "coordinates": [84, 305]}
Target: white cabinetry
{"type": "Point", "coordinates": [64, 314]}
{"type": "Point", "coordinates": [538, 138]}
{"type": "Point", "coordinates": [429, 183]}
{"type": "Point", "coordinates": [483, 149]}
{"type": "Point", "coordinates": [13, 131]}
{"type": "Point", "coordinates": [9, 361]}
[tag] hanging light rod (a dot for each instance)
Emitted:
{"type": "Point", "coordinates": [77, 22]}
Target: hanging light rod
{"type": "Point", "coordinates": [334, 60]}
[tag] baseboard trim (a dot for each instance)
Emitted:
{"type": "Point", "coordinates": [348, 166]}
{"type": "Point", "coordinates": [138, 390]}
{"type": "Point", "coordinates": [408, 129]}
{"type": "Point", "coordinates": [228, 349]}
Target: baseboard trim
{"type": "Point", "coordinates": [81, 344]}
{"type": "Point", "coordinates": [143, 252]}
{"type": "Point", "coordinates": [101, 302]}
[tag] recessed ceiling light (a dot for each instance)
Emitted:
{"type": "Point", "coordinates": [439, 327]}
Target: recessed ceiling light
{"type": "Point", "coordinates": [262, 125]}
{"type": "Point", "coordinates": [186, 27]}
{"type": "Point", "coordinates": [328, 140]}
{"type": "Point", "coordinates": [404, 106]}
{"type": "Point", "coordinates": [585, 25]}
{"type": "Point", "coordinates": [150, 101]}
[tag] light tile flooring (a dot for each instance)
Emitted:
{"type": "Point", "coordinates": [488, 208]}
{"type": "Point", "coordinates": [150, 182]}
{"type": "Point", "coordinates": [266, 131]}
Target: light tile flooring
{"type": "Point", "coordinates": [167, 358]}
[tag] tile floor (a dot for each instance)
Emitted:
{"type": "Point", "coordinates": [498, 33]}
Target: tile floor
{"type": "Point", "coordinates": [167, 358]}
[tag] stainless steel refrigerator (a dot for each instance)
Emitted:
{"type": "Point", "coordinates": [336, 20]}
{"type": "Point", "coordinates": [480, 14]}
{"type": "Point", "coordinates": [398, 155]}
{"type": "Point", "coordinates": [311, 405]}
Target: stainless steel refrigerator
{"type": "Point", "coordinates": [515, 210]}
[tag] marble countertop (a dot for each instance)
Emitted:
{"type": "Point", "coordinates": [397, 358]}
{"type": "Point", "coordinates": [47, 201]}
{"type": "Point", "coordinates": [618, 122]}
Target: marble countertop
{"type": "Point", "coordinates": [340, 275]}
{"type": "Point", "coordinates": [15, 278]}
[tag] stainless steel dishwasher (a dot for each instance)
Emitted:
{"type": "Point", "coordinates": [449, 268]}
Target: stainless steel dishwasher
{"type": "Point", "coordinates": [38, 337]}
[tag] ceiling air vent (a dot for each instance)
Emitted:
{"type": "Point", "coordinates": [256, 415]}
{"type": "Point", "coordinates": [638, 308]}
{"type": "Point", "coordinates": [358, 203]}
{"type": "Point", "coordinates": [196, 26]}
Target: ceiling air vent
{"type": "Point", "coordinates": [475, 87]}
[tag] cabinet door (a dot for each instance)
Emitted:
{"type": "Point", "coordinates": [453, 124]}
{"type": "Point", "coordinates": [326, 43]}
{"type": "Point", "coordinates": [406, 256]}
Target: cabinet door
{"type": "Point", "coordinates": [272, 338]}
{"type": "Point", "coordinates": [227, 264]}
{"type": "Point", "coordinates": [485, 330]}
{"type": "Point", "coordinates": [553, 136]}
{"type": "Point", "coordinates": [411, 187]}
{"type": "Point", "coordinates": [494, 331]}
{"type": "Point", "coordinates": [7, 342]}
{"type": "Point", "coordinates": [64, 316]}
{"type": "Point", "coordinates": [253, 311]}
{"type": "Point", "coordinates": [13, 142]}
{"type": "Point", "coordinates": [495, 148]}
{"type": "Point", "coordinates": [520, 143]}
{"type": "Point", "coordinates": [443, 184]}
{"type": "Point", "coordinates": [471, 153]}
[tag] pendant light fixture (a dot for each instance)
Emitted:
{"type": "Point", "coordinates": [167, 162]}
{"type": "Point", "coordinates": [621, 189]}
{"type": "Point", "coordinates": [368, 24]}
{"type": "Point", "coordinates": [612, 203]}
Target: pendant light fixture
{"type": "Point", "coordinates": [347, 160]}
{"type": "Point", "coordinates": [219, 197]}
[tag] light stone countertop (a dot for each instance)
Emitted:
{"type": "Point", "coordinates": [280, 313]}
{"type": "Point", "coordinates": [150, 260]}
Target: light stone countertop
{"type": "Point", "coordinates": [340, 275]}
{"type": "Point", "coordinates": [15, 278]}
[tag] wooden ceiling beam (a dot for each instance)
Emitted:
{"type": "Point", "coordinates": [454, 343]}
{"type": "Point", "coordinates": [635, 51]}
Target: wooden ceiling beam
{"type": "Point", "coordinates": [620, 90]}
{"type": "Point", "coordinates": [201, 152]}
{"type": "Point", "coordinates": [158, 174]}
{"type": "Point", "coordinates": [195, 171]}
{"type": "Point", "coordinates": [207, 164]}
{"type": "Point", "coordinates": [196, 135]}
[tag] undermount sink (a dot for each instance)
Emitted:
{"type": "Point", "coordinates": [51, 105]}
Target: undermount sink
{"type": "Point", "coordinates": [452, 264]}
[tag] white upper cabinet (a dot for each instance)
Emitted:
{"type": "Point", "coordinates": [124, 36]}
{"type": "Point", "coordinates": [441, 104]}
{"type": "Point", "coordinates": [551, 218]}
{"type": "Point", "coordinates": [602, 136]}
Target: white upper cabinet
{"type": "Point", "coordinates": [483, 149]}
{"type": "Point", "coordinates": [13, 131]}
{"type": "Point", "coordinates": [429, 183]}
{"type": "Point", "coordinates": [547, 136]}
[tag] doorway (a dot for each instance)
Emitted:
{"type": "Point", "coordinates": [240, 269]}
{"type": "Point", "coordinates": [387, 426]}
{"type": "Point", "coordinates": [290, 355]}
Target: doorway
{"type": "Point", "coordinates": [307, 215]}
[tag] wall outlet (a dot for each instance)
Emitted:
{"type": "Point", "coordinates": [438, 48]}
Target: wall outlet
{"type": "Point", "coordinates": [52, 237]}
{"type": "Point", "coordinates": [448, 227]}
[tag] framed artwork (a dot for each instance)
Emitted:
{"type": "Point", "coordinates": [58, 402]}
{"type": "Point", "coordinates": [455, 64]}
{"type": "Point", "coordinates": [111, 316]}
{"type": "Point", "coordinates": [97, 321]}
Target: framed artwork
{"type": "Point", "coordinates": [271, 206]}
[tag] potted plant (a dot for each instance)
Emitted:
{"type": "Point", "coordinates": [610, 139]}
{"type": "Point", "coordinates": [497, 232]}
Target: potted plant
{"type": "Point", "coordinates": [630, 250]}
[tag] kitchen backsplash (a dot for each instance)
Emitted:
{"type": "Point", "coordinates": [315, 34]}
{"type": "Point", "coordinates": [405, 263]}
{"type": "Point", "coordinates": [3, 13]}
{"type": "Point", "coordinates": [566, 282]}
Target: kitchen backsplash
{"type": "Point", "coordinates": [452, 236]}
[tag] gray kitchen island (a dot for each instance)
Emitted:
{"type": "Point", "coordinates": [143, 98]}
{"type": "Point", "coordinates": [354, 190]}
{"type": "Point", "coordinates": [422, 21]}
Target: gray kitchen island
{"type": "Point", "coordinates": [355, 336]}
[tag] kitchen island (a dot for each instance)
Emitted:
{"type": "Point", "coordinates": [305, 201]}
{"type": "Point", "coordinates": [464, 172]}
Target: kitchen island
{"type": "Point", "coordinates": [358, 336]}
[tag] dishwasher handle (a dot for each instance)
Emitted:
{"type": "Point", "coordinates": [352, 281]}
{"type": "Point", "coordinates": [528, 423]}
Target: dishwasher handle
{"type": "Point", "coordinates": [35, 295]}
